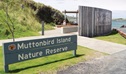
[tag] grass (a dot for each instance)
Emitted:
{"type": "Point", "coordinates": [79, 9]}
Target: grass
{"type": "Point", "coordinates": [25, 33]}
{"type": "Point", "coordinates": [21, 34]}
{"type": "Point", "coordinates": [113, 37]}
{"type": "Point", "coordinates": [25, 21]}
{"type": "Point", "coordinates": [24, 26]}
{"type": "Point", "coordinates": [50, 64]}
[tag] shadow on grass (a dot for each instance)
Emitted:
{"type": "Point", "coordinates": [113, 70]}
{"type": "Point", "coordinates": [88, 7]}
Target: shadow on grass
{"type": "Point", "coordinates": [18, 70]}
{"type": "Point", "coordinates": [113, 32]}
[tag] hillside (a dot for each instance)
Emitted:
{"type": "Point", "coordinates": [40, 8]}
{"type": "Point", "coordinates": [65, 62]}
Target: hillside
{"type": "Point", "coordinates": [25, 17]}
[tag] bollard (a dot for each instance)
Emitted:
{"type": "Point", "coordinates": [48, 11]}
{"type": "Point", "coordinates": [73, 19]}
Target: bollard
{"type": "Point", "coordinates": [42, 27]}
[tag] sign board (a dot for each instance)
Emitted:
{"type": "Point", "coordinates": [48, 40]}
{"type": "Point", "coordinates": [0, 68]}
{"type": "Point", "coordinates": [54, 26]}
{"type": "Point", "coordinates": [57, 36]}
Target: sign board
{"type": "Point", "coordinates": [30, 49]}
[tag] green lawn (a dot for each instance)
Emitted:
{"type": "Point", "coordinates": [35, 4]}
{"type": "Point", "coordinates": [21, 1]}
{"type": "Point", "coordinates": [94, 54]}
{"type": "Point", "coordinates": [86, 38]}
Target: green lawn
{"type": "Point", "coordinates": [113, 37]}
{"type": "Point", "coordinates": [27, 33]}
{"type": "Point", "coordinates": [50, 64]}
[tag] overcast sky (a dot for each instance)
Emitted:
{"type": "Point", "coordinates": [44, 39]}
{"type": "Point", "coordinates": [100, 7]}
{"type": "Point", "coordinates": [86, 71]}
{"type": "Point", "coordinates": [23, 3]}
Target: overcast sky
{"type": "Point", "coordinates": [112, 5]}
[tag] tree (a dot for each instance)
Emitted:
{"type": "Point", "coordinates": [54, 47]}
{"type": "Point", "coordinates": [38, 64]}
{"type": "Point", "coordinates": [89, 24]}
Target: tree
{"type": "Point", "coordinates": [8, 19]}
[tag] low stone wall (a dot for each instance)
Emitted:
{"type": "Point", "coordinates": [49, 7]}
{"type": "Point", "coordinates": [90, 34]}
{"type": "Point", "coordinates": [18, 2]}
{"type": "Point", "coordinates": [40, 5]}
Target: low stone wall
{"type": "Point", "coordinates": [122, 33]}
{"type": "Point", "coordinates": [69, 29]}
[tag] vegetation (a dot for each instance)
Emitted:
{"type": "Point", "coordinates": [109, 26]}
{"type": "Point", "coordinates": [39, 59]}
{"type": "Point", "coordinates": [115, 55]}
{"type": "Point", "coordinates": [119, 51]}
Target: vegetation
{"type": "Point", "coordinates": [50, 64]}
{"type": "Point", "coordinates": [114, 36]}
{"type": "Point", "coordinates": [71, 18]}
{"type": "Point", "coordinates": [119, 19]}
{"type": "Point", "coordinates": [26, 16]}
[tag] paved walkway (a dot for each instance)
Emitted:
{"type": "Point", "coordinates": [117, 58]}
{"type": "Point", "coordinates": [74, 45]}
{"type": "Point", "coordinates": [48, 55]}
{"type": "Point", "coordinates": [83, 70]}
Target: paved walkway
{"type": "Point", "coordinates": [112, 64]}
{"type": "Point", "coordinates": [99, 45]}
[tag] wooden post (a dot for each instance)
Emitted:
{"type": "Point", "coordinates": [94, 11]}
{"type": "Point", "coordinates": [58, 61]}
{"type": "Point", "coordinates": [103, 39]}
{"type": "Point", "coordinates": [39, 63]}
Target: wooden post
{"type": "Point", "coordinates": [42, 27]}
{"type": "Point", "coordinates": [6, 68]}
{"type": "Point", "coordinates": [74, 53]}
{"type": "Point", "coordinates": [76, 17]}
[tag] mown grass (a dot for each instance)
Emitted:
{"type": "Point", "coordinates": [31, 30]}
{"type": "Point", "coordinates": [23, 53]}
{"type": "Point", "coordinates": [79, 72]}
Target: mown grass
{"type": "Point", "coordinates": [26, 33]}
{"type": "Point", "coordinates": [113, 37]}
{"type": "Point", "coordinates": [50, 64]}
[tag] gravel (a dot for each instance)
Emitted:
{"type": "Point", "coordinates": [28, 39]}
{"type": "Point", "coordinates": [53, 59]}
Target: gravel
{"type": "Point", "coordinates": [111, 64]}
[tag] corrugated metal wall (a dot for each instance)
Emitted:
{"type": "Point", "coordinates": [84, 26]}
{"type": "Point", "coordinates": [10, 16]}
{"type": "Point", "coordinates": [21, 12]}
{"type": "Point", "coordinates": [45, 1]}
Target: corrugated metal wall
{"type": "Point", "coordinates": [94, 21]}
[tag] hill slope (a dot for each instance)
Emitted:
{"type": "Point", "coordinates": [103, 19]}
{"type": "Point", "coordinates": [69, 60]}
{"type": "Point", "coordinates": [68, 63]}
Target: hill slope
{"type": "Point", "coordinates": [26, 16]}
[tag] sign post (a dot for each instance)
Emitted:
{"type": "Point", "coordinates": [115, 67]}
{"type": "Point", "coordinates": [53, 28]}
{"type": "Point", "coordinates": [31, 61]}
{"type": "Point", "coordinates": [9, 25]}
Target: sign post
{"type": "Point", "coordinates": [6, 68]}
{"type": "Point", "coordinates": [74, 52]}
{"type": "Point", "coordinates": [30, 49]}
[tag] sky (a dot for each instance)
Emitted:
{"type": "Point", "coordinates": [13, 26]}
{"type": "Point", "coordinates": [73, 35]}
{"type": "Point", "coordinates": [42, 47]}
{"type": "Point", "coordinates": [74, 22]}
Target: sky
{"type": "Point", "coordinates": [116, 6]}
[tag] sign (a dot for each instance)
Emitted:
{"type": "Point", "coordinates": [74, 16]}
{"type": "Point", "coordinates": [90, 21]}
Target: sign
{"type": "Point", "coordinates": [30, 49]}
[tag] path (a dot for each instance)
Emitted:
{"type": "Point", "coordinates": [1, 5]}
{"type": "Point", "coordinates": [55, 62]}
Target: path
{"type": "Point", "coordinates": [112, 64]}
{"type": "Point", "coordinates": [99, 45]}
